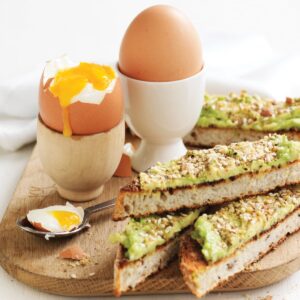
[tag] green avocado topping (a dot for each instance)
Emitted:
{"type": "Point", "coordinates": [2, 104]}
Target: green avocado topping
{"type": "Point", "coordinates": [250, 113]}
{"type": "Point", "coordinates": [221, 162]}
{"type": "Point", "coordinates": [230, 227]}
{"type": "Point", "coordinates": [144, 235]}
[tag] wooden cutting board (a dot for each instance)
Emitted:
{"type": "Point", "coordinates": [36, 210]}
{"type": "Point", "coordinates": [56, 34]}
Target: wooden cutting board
{"type": "Point", "coordinates": [34, 260]}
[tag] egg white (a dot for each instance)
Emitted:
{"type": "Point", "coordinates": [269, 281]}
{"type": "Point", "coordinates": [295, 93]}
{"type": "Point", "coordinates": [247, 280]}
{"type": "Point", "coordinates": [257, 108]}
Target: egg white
{"type": "Point", "coordinates": [91, 95]}
{"type": "Point", "coordinates": [88, 94]}
{"type": "Point", "coordinates": [55, 65]}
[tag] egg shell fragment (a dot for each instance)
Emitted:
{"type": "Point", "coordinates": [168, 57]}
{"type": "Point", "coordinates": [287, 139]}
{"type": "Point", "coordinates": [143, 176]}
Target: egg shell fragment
{"type": "Point", "coordinates": [124, 167]}
{"type": "Point", "coordinates": [73, 252]}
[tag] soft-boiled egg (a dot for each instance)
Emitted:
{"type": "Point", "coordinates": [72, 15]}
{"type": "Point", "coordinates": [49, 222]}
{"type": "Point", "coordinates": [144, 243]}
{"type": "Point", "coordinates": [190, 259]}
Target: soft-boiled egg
{"type": "Point", "coordinates": [56, 218]}
{"type": "Point", "coordinates": [161, 44]}
{"type": "Point", "coordinates": [80, 98]}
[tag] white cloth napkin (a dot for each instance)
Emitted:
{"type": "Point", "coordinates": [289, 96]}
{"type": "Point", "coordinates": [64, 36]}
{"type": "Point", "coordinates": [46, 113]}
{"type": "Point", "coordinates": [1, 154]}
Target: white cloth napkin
{"type": "Point", "coordinates": [18, 110]}
{"type": "Point", "coordinates": [233, 63]}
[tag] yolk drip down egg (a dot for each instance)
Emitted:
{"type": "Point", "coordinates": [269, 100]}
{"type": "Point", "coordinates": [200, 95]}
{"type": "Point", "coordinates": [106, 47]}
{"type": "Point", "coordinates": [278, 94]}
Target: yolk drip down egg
{"type": "Point", "coordinates": [80, 98]}
{"type": "Point", "coordinates": [69, 84]}
{"type": "Point", "coordinates": [56, 218]}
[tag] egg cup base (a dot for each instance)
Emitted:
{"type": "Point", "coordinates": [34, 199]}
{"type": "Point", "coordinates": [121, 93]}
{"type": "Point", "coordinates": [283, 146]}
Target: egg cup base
{"type": "Point", "coordinates": [79, 196]}
{"type": "Point", "coordinates": [161, 114]}
{"type": "Point", "coordinates": [149, 153]}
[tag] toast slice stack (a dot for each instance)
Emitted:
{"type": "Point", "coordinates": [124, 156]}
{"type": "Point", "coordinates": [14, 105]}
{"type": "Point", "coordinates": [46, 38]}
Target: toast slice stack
{"type": "Point", "coordinates": [148, 245]}
{"type": "Point", "coordinates": [204, 182]}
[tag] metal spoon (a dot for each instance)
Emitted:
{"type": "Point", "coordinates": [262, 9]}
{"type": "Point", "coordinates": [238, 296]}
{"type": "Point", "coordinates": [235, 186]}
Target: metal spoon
{"type": "Point", "coordinates": [24, 224]}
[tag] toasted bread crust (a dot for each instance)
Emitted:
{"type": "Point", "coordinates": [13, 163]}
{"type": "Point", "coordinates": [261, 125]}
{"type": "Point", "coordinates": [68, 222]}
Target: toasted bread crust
{"type": "Point", "coordinates": [121, 211]}
{"type": "Point", "coordinates": [192, 261]}
{"type": "Point", "coordinates": [166, 253]}
{"type": "Point", "coordinates": [212, 136]}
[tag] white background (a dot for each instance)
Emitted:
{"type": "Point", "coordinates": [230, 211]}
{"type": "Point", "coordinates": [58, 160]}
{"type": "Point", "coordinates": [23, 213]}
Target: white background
{"type": "Point", "coordinates": [32, 31]}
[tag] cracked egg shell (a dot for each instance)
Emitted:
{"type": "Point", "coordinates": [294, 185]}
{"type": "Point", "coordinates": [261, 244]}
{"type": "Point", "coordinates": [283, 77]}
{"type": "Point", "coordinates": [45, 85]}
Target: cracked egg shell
{"type": "Point", "coordinates": [84, 118]}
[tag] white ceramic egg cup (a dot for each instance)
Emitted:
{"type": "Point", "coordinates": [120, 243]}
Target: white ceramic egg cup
{"type": "Point", "coordinates": [161, 114]}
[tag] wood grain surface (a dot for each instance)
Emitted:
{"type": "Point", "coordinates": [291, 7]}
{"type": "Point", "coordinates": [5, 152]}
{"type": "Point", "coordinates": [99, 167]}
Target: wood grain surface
{"type": "Point", "coordinates": [34, 261]}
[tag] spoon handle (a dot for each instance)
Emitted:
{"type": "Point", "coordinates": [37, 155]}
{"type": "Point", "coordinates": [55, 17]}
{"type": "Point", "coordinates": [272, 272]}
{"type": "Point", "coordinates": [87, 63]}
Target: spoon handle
{"type": "Point", "coordinates": [104, 205]}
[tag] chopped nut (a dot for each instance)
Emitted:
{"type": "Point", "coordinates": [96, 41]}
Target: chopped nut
{"type": "Point", "coordinates": [266, 113]}
{"type": "Point", "coordinates": [289, 101]}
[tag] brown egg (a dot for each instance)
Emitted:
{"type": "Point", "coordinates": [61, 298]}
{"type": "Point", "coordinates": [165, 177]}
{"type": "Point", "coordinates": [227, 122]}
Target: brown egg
{"type": "Point", "coordinates": [160, 44]}
{"type": "Point", "coordinates": [85, 118]}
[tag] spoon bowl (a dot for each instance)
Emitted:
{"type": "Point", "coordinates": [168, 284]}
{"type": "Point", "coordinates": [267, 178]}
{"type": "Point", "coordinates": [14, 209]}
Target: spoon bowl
{"type": "Point", "coordinates": [25, 225]}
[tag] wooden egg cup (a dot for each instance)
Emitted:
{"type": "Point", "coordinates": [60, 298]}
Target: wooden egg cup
{"type": "Point", "coordinates": [80, 165]}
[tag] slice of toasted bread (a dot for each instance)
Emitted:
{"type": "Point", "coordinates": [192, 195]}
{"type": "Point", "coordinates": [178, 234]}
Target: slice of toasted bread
{"type": "Point", "coordinates": [128, 274]}
{"type": "Point", "coordinates": [134, 202]}
{"type": "Point", "coordinates": [210, 137]}
{"type": "Point", "coordinates": [202, 277]}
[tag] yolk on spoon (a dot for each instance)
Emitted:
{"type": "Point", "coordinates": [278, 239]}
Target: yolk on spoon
{"type": "Point", "coordinates": [70, 82]}
{"type": "Point", "coordinates": [66, 219]}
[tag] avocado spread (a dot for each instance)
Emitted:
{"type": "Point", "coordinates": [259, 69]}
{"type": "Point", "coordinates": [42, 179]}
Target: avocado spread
{"type": "Point", "coordinates": [230, 227]}
{"type": "Point", "coordinates": [250, 113]}
{"type": "Point", "coordinates": [142, 236]}
{"type": "Point", "coordinates": [221, 162]}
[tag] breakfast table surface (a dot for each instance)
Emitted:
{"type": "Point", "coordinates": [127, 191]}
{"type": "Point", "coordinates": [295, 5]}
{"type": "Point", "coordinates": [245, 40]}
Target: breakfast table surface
{"type": "Point", "coordinates": [98, 37]}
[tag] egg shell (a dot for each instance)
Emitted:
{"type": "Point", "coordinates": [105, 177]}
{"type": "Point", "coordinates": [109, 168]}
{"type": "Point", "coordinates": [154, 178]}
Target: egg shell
{"type": "Point", "coordinates": [39, 226]}
{"type": "Point", "coordinates": [73, 252]}
{"type": "Point", "coordinates": [85, 118]}
{"type": "Point", "coordinates": [161, 44]}
{"type": "Point", "coordinates": [124, 167]}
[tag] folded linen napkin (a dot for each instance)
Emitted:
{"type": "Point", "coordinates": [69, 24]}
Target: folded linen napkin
{"type": "Point", "coordinates": [18, 110]}
{"type": "Point", "coordinates": [233, 63]}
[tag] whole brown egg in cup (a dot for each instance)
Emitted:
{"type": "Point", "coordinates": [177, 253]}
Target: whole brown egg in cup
{"type": "Point", "coordinates": [161, 44]}
{"type": "Point", "coordinates": [162, 74]}
{"type": "Point", "coordinates": [81, 128]}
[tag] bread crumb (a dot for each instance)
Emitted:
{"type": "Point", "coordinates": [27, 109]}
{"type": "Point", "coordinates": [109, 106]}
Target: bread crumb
{"type": "Point", "coordinates": [74, 264]}
{"type": "Point", "coordinates": [84, 261]}
{"type": "Point", "coordinates": [73, 276]}
{"type": "Point", "coordinates": [268, 297]}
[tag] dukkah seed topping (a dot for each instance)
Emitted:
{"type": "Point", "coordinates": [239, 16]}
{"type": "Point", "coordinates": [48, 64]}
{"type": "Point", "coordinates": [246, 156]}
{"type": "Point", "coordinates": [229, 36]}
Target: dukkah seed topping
{"type": "Point", "coordinates": [250, 112]}
{"type": "Point", "coordinates": [225, 230]}
{"type": "Point", "coordinates": [256, 209]}
{"type": "Point", "coordinates": [220, 162]}
{"type": "Point", "coordinates": [143, 235]}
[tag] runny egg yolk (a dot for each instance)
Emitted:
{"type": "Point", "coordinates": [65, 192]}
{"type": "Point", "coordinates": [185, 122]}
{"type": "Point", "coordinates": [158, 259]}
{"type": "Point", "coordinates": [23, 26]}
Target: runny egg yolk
{"type": "Point", "coordinates": [66, 219]}
{"type": "Point", "coordinates": [70, 82]}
